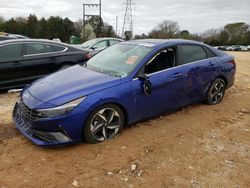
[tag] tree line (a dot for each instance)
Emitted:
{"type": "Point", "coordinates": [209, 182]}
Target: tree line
{"type": "Point", "coordinates": [62, 28]}
{"type": "Point", "coordinates": [54, 27]}
{"type": "Point", "coordinates": [231, 34]}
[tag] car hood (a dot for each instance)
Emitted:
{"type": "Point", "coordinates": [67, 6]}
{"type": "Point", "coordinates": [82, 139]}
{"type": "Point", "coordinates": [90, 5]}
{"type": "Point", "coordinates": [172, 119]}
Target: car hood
{"type": "Point", "coordinates": [69, 84]}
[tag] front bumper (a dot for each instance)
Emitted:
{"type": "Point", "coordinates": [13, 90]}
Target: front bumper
{"type": "Point", "coordinates": [26, 120]}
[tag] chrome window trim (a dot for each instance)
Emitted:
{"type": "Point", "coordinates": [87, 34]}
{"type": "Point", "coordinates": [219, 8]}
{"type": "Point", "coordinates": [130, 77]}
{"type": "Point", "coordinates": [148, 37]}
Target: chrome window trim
{"type": "Point", "coordinates": [65, 49]}
{"type": "Point", "coordinates": [176, 67]}
{"type": "Point", "coordinates": [28, 55]}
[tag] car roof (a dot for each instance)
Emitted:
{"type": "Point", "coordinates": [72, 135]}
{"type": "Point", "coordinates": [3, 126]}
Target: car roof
{"type": "Point", "coordinates": [107, 38]}
{"type": "Point", "coordinates": [32, 40]}
{"type": "Point", "coordinates": [159, 42]}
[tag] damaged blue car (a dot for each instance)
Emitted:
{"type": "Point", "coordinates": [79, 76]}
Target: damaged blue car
{"type": "Point", "coordinates": [121, 85]}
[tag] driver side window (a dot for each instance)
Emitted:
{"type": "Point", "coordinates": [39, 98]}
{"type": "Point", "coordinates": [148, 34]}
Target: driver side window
{"type": "Point", "coordinates": [101, 45]}
{"type": "Point", "coordinates": [163, 60]}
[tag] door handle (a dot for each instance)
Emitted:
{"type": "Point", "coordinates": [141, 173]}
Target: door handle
{"type": "Point", "coordinates": [16, 62]}
{"type": "Point", "coordinates": [211, 64]}
{"type": "Point", "coordinates": [53, 58]}
{"type": "Point", "coordinates": [177, 75]}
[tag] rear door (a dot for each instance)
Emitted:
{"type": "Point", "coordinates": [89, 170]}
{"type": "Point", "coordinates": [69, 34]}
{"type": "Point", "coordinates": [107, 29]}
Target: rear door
{"type": "Point", "coordinates": [41, 58]}
{"type": "Point", "coordinates": [201, 66]}
{"type": "Point", "coordinates": [11, 70]}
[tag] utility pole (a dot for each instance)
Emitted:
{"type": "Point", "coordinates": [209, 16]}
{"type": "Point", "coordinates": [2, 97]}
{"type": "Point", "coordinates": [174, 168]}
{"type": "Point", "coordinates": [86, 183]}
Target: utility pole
{"type": "Point", "coordinates": [127, 28]}
{"type": "Point", "coordinates": [87, 16]}
{"type": "Point", "coordinates": [116, 25]}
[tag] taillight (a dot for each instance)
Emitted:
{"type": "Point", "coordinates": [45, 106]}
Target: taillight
{"type": "Point", "coordinates": [232, 62]}
{"type": "Point", "coordinates": [88, 55]}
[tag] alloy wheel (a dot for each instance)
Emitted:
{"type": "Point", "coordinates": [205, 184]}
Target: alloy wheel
{"type": "Point", "coordinates": [217, 92]}
{"type": "Point", "coordinates": [105, 124]}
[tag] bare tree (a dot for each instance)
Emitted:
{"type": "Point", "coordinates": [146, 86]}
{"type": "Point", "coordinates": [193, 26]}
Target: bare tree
{"type": "Point", "coordinates": [89, 32]}
{"type": "Point", "coordinates": [1, 19]}
{"type": "Point", "coordinates": [78, 26]}
{"type": "Point", "coordinates": [21, 19]}
{"type": "Point", "coordinates": [166, 29]}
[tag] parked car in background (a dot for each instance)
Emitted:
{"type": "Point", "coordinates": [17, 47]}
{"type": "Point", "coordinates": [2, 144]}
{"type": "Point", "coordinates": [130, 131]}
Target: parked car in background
{"type": "Point", "coordinates": [25, 60]}
{"type": "Point", "coordinates": [248, 47]}
{"type": "Point", "coordinates": [126, 83]}
{"type": "Point", "coordinates": [224, 48]}
{"type": "Point", "coordinates": [7, 36]}
{"type": "Point", "coordinates": [236, 48]}
{"type": "Point", "coordinates": [229, 48]}
{"type": "Point", "coordinates": [243, 48]}
{"type": "Point", "coordinates": [94, 46]}
{"type": "Point", "coordinates": [17, 36]}
{"type": "Point", "coordinates": [3, 37]}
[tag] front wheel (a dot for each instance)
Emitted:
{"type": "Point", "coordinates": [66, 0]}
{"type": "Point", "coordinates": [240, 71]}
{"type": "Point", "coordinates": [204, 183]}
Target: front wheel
{"type": "Point", "coordinates": [104, 123]}
{"type": "Point", "coordinates": [216, 92]}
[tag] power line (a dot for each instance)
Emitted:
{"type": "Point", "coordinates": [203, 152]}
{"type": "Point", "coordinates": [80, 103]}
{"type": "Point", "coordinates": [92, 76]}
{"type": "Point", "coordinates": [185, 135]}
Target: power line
{"type": "Point", "coordinates": [127, 28]}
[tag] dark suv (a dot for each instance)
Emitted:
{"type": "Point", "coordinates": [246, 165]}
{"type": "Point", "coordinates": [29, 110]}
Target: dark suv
{"type": "Point", "coordinates": [25, 60]}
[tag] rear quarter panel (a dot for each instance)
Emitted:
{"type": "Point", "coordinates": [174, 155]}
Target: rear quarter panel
{"type": "Point", "coordinates": [227, 69]}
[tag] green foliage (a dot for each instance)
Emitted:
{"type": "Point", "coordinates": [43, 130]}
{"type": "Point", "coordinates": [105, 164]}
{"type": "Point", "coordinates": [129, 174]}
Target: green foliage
{"type": "Point", "coordinates": [57, 27]}
{"type": "Point", "coordinates": [100, 28]}
{"type": "Point", "coordinates": [185, 34]}
{"type": "Point", "coordinates": [53, 27]}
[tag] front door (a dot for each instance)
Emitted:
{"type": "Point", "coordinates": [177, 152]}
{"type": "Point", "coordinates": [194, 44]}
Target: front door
{"type": "Point", "coordinates": [167, 83]}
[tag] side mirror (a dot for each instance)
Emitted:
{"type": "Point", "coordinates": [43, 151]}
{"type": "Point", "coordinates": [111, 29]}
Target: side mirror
{"type": "Point", "coordinates": [93, 47]}
{"type": "Point", "coordinates": [143, 77]}
{"type": "Point", "coordinates": [147, 85]}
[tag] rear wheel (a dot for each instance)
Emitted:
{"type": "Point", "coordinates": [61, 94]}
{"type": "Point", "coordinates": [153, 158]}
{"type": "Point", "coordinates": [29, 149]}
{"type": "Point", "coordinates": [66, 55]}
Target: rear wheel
{"type": "Point", "coordinates": [216, 92]}
{"type": "Point", "coordinates": [104, 123]}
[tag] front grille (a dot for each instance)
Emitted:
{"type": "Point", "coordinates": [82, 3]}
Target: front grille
{"type": "Point", "coordinates": [28, 115]}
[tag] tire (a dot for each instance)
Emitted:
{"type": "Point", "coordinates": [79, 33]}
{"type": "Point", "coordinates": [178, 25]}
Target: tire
{"type": "Point", "coordinates": [216, 92]}
{"type": "Point", "coordinates": [104, 123]}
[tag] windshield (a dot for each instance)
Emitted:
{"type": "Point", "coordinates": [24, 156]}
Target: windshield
{"type": "Point", "coordinates": [118, 60]}
{"type": "Point", "coordinates": [88, 43]}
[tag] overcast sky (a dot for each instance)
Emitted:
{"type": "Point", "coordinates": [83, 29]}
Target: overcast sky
{"type": "Point", "coordinates": [193, 15]}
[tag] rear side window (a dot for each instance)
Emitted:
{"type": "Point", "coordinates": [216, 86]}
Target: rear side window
{"type": "Point", "coordinates": [38, 48]}
{"type": "Point", "coordinates": [210, 54]}
{"type": "Point", "coordinates": [101, 45]}
{"type": "Point", "coordinates": [191, 53]}
{"type": "Point", "coordinates": [58, 48]}
{"type": "Point", "coordinates": [11, 51]}
{"type": "Point", "coordinates": [112, 42]}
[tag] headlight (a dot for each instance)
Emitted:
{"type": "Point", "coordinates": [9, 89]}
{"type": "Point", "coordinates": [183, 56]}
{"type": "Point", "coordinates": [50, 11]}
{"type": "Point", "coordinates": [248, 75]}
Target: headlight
{"type": "Point", "coordinates": [60, 110]}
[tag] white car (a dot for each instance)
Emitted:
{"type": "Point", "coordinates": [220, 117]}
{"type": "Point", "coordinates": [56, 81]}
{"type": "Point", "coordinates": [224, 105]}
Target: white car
{"type": "Point", "coordinates": [229, 48]}
{"type": "Point", "coordinates": [243, 48]}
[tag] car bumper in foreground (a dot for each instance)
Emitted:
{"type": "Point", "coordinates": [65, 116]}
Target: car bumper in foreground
{"type": "Point", "coordinates": [24, 118]}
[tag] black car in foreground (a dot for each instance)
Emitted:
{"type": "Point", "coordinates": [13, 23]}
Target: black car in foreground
{"type": "Point", "coordinates": [25, 60]}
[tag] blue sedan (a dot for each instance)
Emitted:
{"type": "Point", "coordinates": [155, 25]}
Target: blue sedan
{"type": "Point", "coordinates": [121, 85]}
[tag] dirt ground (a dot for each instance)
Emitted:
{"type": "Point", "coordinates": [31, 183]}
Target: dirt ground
{"type": "Point", "coordinates": [197, 146]}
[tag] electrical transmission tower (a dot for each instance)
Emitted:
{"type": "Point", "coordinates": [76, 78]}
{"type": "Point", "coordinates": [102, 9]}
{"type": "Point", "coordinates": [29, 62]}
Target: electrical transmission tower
{"type": "Point", "coordinates": [127, 28]}
{"type": "Point", "coordinates": [87, 16]}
